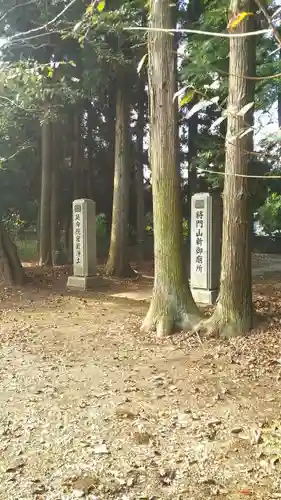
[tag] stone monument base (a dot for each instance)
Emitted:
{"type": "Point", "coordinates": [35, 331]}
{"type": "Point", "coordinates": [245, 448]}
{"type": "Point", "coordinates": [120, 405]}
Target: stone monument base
{"type": "Point", "coordinates": [83, 282]}
{"type": "Point", "coordinates": [207, 297]}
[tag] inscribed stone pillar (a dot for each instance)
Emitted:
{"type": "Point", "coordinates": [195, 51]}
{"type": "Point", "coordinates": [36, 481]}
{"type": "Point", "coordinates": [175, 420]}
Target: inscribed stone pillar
{"type": "Point", "coordinates": [84, 245]}
{"type": "Point", "coordinates": [205, 247]}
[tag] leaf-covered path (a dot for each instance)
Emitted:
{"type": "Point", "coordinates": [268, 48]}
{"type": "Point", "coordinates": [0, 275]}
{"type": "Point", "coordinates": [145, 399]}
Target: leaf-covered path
{"type": "Point", "coordinates": [90, 408]}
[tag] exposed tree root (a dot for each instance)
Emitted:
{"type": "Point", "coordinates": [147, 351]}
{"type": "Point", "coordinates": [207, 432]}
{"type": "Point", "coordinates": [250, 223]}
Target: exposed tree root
{"type": "Point", "coordinates": [167, 318]}
{"type": "Point", "coordinates": [221, 325]}
{"type": "Point", "coordinates": [124, 271]}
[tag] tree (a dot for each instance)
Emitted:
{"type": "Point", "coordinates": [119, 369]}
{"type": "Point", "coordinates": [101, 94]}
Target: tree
{"type": "Point", "coordinates": [234, 311]}
{"type": "Point", "coordinates": [139, 184]}
{"type": "Point", "coordinates": [45, 257]}
{"type": "Point", "coordinates": [118, 259]}
{"type": "Point", "coordinates": [172, 305]}
{"type": "Point", "coordinates": [11, 270]}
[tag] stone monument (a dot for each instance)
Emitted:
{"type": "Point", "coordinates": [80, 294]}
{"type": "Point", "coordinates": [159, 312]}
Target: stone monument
{"type": "Point", "coordinates": [84, 245]}
{"type": "Point", "coordinates": [205, 247]}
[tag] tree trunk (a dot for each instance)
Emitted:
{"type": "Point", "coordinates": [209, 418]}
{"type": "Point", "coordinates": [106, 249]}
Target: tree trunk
{"type": "Point", "coordinates": [110, 118]}
{"type": "Point", "coordinates": [118, 259]}
{"type": "Point", "coordinates": [234, 311]}
{"type": "Point", "coordinates": [90, 155]}
{"type": "Point", "coordinates": [11, 270]}
{"type": "Point", "coordinates": [172, 305]}
{"type": "Point", "coordinates": [192, 170]}
{"type": "Point", "coordinates": [45, 257]}
{"type": "Point", "coordinates": [54, 217]}
{"type": "Point", "coordinates": [194, 10]}
{"type": "Point", "coordinates": [279, 101]}
{"type": "Point", "coordinates": [56, 163]}
{"type": "Point", "coordinates": [279, 110]}
{"type": "Point", "coordinates": [77, 158]}
{"type": "Point", "coordinates": [139, 174]}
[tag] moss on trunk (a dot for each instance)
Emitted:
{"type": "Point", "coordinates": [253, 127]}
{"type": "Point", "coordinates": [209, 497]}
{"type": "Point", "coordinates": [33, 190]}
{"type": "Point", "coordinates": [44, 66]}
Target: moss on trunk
{"type": "Point", "coordinates": [234, 311]}
{"type": "Point", "coordinates": [172, 306]}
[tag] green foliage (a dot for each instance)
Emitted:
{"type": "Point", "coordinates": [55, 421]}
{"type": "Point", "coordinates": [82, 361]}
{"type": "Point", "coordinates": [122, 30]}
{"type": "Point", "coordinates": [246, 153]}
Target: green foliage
{"type": "Point", "coordinates": [74, 70]}
{"type": "Point", "coordinates": [13, 224]}
{"type": "Point", "coordinates": [270, 214]}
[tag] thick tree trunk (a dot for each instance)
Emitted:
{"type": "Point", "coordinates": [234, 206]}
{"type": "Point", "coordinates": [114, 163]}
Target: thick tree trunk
{"type": "Point", "coordinates": [45, 257]}
{"type": "Point", "coordinates": [139, 174]}
{"type": "Point", "coordinates": [172, 305]}
{"type": "Point", "coordinates": [234, 312]}
{"type": "Point", "coordinates": [11, 270]}
{"type": "Point", "coordinates": [118, 259]}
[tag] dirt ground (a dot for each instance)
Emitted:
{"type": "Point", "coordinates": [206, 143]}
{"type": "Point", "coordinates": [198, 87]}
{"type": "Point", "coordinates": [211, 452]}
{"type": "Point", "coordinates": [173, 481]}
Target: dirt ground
{"type": "Point", "coordinates": [91, 408]}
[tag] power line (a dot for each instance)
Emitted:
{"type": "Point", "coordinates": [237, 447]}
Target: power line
{"type": "Point", "coordinates": [199, 32]}
{"type": "Point", "coordinates": [233, 174]}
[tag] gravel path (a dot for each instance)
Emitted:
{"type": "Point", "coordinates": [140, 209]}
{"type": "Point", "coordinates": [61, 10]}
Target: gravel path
{"type": "Point", "coordinates": [92, 409]}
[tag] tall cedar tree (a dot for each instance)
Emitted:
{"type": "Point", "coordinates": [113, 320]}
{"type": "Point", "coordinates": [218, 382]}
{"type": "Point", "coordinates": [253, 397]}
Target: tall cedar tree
{"type": "Point", "coordinates": [172, 305]}
{"type": "Point", "coordinates": [234, 311]}
{"type": "Point", "coordinates": [118, 259]}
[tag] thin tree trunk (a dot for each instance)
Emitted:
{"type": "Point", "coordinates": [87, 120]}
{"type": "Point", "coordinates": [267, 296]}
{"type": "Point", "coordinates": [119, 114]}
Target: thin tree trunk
{"type": "Point", "coordinates": [194, 10]}
{"type": "Point", "coordinates": [118, 259]}
{"type": "Point", "coordinates": [279, 101]}
{"type": "Point", "coordinates": [54, 217]}
{"type": "Point", "coordinates": [45, 258]}
{"type": "Point", "coordinates": [172, 305]}
{"type": "Point", "coordinates": [139, 174]}
{"type": "Point", "coordinates": [192, 170]}
{"type": "Point", "coordinates": [192, 151]}
{"type": "Point", "coordinates": [110, 160]}
{"type": "Point", "coordinates": [76, 156]}
{"type": "Point", "coordinates": [11, 270]}
{"type": "Point", "coordinates": [234, 311]}
{"type": "Point", "coordinates": [90, 155]}
{"type": "Point", "coordinates": [57, 160]}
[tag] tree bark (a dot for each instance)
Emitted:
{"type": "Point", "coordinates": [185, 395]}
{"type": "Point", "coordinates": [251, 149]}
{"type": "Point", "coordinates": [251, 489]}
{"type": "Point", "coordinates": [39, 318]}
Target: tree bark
{"type": "Point", "coordinates": [11, 270]}
{"type": "Point", "coordinates": [234, 311]}
{"type": "Point", "coordinates": [279, 101]}
{"type": "Point", "coordinates": [76, 156]}
{"type": "Point", "coordinates": [110, 157]}
{"type": "Point", "coordinates": [172, 305]}
{"type": "Point", "coordinates": [139, 174]}
{"type": "Point", "coordinates": [192, 170]}
{"type": "Point", "coordinates": [45, 257]}
{"type": "Point", "coordinates": [118, 259]}
{"type": "Point", "coordinates": [90, 155]}
{"type": "Point", "coordinates": [57, 155]}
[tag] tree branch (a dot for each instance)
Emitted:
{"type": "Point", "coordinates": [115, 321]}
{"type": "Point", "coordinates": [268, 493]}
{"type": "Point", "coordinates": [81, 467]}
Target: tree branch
{"type": "Point", "coordinates": [269, 20]}
{"type": "Point", "coordinates": [15, 7]}
{"type": "Point", "coordinates": [44, 26]}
